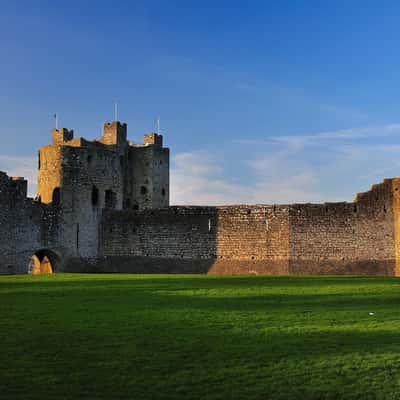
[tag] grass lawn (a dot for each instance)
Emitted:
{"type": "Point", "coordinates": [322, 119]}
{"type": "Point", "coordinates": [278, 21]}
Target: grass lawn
{"type": "Point", "coordinates": [199, 337]}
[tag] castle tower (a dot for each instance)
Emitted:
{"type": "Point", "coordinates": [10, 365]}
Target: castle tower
{"type": "Point", "coordinates": [84, 178]}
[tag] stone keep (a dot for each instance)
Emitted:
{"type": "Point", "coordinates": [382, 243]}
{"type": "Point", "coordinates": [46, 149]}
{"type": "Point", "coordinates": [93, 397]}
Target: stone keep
{"type": "Point", "coordinates": [103, 206]}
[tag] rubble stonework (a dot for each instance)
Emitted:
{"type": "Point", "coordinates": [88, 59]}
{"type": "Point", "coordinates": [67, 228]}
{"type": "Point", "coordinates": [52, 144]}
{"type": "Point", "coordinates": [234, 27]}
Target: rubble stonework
{"type": "Point", "coordinates": [103, 206]}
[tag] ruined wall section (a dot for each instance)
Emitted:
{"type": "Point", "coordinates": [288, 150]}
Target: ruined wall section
{"type": "Point", "coordinates": [232, 239]}
{"type": "Point", "coordinates": [344, 238]}
{"type": "Point", "coordinates": [26, 226]}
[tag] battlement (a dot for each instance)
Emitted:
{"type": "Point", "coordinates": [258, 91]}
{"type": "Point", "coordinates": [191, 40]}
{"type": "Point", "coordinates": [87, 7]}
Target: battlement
{"type": "Point", "coordinates": [153, 138]}
{"type": "Point", "coordinates": [114, 133]}
{"type": "Point", "coordinates": [62, 135]}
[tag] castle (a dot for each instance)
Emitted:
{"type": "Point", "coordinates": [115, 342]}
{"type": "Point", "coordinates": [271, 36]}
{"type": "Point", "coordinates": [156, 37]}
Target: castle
{"type": "Point", "coordinates": [103, 206]}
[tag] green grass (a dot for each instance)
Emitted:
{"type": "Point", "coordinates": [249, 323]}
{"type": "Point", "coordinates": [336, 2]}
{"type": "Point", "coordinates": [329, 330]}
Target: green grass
{"type": "Point", "coordinates": [199, 337]}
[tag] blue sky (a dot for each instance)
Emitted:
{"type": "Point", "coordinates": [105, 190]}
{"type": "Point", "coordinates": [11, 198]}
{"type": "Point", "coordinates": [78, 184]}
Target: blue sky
{"type": "Point", "coordinates": [260, 102]}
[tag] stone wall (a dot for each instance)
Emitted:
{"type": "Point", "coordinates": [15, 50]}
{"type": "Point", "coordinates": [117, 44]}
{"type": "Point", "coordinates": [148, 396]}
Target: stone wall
{"type": "Point", "coordinates": [232, 239]}
{"type": "Point", "coordinates": [331, 238]}
{"type": "Point", "coordinates": [252, 239]}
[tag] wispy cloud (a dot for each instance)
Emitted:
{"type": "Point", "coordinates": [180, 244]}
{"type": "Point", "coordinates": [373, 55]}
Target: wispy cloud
{"type": "Point", "coordinates": [299, 141]}
{"type": "Point", "coordinates": [326, 166]}
{"type": "Point", "coordinates": [201, 180]}
{"type": "Point", "coordinates": [197, 178]}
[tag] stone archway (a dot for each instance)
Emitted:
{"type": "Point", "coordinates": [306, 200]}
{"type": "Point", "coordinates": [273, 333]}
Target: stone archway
{"type": "Point", "coordinates": [44, 261]}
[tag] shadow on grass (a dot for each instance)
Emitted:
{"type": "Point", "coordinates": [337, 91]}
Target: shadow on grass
{"type": "Point", "coordinates": [193, 281]}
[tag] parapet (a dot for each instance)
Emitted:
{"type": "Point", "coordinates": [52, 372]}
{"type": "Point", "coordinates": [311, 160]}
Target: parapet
{"type": "Point", "coordinates": [153, 138]}
{"type": "Point", "coordinates": [62, 135]}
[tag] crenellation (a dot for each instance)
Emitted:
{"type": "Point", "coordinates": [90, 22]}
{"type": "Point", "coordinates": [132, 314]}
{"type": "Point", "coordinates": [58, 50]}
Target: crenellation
{"type": "Point", "coordinates": [153, 139]}
{"type": "Point", "coordinates": [114, 133]}
{"type": "Point", "coordinates": [62, 135]}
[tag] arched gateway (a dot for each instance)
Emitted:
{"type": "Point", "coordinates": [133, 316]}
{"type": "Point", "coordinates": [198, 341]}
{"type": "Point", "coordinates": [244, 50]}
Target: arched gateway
{"type": "Point", "coordinates": [44, 261]}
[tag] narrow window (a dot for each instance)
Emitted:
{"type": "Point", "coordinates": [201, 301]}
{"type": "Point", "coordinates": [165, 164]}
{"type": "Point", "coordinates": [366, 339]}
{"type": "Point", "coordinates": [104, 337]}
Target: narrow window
{"type": "Point", "coordinates": [89, 159]}
{"type": "Point", "coordinates": [162, 192]}
{"type": "Point", "coordinates": [77, 236]}
{"type": "Point", "coordinates": [39, 160]}
{"type": "Point", "coordinates": [95, 196]}
{"type": "Point", "coordinates": [56, 196]}
{"type": "Point", "coordinates": [143, 190]}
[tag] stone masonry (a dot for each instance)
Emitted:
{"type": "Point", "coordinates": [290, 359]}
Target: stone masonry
{"type": "Point", "coordinates": [103, 206]}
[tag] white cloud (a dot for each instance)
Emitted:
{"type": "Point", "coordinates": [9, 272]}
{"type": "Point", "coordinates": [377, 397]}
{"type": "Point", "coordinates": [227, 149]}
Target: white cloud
{"type": "Point", "coordinates": [327, 166]}
{"type": "Point", "coordinates": [196, 178]}
{"type": "Point", "coordinates": [201, 180]}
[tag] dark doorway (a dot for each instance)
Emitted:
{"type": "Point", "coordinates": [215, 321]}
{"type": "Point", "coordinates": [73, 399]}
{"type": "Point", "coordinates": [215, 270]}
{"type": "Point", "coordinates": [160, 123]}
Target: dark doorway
{"type": "Point", "coordinates": [56, 196]}
{"type": "Point", "coordinates": [44, 262]}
